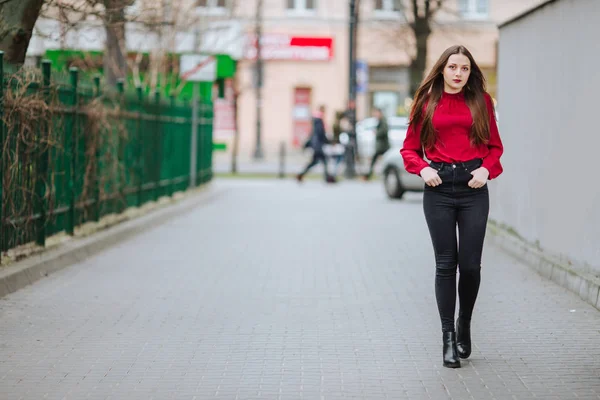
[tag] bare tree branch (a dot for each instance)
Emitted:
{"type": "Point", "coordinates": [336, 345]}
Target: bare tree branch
{"type": "Point", "coordinates": [160, 23]}
{"type": "Point", "coordinates": [432, 7]}
{"type": "Point", "coordinates": [415, 9]}
{"type": "Point", "coordinates": [421, 22]}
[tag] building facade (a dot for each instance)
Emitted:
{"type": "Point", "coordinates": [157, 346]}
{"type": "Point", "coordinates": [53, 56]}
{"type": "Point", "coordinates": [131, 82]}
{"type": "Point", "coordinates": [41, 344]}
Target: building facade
{"type": "Point", "coordinates": [305, 52]}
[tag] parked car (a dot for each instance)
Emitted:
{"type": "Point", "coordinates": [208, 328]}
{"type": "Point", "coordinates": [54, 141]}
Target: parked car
{"type": "Point", "coordinates": [365, 134]}
{"type": "Point", "coordinates": [395, 178]}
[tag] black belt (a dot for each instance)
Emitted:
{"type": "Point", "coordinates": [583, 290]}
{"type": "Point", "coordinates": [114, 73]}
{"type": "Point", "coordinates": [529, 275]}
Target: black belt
{"type": "Point", "coordinates": [465, 164]}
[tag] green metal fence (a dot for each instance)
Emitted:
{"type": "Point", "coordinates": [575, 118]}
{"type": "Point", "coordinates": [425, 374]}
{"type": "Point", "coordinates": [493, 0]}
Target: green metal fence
{"type": "Point", "coordinates": [72, 154]}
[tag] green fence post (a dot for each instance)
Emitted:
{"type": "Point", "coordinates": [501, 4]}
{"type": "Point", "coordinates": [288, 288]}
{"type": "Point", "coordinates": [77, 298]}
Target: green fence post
{"type": "Point", "coordinates": [194, 135]}
{"type": "Point", "coordinates": [210, 144]}
{"type": "Point", "coordinates": [204, 141]}
{"type": "Point", "coordinates": [201, 138]}
{"type": "Point", "coordinates": [122, 201]}
{"type": "Point", "coordinates": [71, 150]}
{"type": "Point", "coordinates": [158, 145]}
{"type": "Point", "coordinates": [42, 167]}
{"type": "Point", "coordinates": [169, 151]}
{"type": "Point", "coordinates": [190, 107]}
{"type": "Point", "coordinates": [96, 216]}
{"type": "Point", "coordinates": [2, 136]}
{"type": "Point", "coordinates": [139, 149]}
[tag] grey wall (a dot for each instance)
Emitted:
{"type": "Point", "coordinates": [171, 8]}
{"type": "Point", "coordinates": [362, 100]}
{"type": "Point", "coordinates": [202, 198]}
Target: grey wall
{"type": "Point", "coordinates": [549, 119]}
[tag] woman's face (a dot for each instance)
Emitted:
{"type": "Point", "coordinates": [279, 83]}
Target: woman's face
{"type": "Point", "coordinates": [456, 73]}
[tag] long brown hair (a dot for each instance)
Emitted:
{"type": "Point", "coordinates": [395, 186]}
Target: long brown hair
{"type": "Point", "coordinates": [431, 90]}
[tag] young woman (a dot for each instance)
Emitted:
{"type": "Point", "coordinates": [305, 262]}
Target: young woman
{"type": "Point", "coordinates": [453, 124]}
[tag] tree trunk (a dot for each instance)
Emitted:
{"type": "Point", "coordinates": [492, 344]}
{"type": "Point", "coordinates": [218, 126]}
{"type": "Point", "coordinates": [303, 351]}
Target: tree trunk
{"type": "Point", "coordinates": [17, 19]}
{"type": "Point", "coordinates": [115, 63]}
{"type": "Point", "coordinates": [422, 30]}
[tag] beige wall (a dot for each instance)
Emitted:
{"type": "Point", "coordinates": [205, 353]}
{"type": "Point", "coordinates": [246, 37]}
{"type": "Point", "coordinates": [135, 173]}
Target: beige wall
{"type": "Point", "coordinates": [503, 10]}
{"type": "Point", "coordinates": [381, 42]}
{"type": "Point", "coordinates": [328, 80]}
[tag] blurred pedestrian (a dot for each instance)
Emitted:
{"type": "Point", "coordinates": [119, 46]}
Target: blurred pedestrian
{"type": "Point", "coordinates": [337, 148]}
{"type": "Point", "coordinates": [382, 142]}
{"type": "Point", "coordinates": [453, 121]}
{"type": "Point", "coordinates": [317, 140]}
{"type": "Point", "coordinates": [348, 126]}
{"type": "Point", "coordinates": [337, 126]}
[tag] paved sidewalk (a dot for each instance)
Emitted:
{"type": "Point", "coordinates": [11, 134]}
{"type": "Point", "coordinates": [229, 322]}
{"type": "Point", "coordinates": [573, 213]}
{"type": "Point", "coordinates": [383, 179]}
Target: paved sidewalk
{"type": "Point", "coordinates": [286, 291]}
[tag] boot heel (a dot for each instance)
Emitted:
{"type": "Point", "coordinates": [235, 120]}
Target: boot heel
{"type": "Point", "coordinates": [463, 338]}
{"type": "Point", "coordinates": [450, 351]}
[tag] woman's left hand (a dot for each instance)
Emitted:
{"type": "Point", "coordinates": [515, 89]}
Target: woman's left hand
{"type": "Point", "coordinates": [480, 177]}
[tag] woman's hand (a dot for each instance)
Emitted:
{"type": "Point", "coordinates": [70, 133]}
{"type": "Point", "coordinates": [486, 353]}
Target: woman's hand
{"type": "Point", "coordinates": [430, 176]}
{"type": "Point", "coordinates": [480, 177]}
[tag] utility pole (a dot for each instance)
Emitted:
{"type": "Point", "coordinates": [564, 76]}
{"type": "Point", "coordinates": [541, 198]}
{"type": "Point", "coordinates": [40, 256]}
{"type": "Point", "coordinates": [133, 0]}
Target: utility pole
{"type": "Point", "coordinates": [258, 152]}
{"type": "Point", "coordinates": [350, 153]}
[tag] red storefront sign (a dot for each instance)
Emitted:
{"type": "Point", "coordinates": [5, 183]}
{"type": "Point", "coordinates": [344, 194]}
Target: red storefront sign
{"type": "Point", "coordinates": [288, 47]}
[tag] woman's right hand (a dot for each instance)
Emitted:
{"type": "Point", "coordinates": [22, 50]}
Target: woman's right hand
{"type": "Point", "coordinates": [431, 177]}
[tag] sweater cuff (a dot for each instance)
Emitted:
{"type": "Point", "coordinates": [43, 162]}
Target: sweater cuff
{"type": "Point", "coordinates": [487, 164]}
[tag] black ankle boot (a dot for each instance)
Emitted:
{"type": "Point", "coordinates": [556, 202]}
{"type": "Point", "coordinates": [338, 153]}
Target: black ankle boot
{"type": "Point", "coordinates": [451, 359]}
{"type": "Point", "coordinates": [463, 338]}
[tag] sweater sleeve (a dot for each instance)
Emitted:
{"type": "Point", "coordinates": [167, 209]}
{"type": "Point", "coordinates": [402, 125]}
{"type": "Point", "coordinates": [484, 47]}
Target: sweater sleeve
{"type": "Point", "coordinates": [492, 161]}
{"type": "Point", "coordinates": [412, 151]}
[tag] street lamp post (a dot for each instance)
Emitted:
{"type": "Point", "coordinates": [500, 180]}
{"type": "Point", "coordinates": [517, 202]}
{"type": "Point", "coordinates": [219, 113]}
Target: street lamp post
{"type": "Point", "coordinates": [350, 153]}
{"type": "Point", "coordinates": [258, 152]}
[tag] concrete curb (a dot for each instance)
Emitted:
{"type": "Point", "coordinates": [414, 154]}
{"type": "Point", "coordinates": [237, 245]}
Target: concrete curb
{"type": "Point", "coordinates": [564, 273]}
{"type": "Point", "coordinates": [23, 273]}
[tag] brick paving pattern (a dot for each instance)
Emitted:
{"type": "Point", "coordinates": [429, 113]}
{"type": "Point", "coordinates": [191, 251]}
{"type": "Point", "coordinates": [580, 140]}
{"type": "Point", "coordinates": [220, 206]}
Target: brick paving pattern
{"type": "Point", "coordinates": [286, 291]}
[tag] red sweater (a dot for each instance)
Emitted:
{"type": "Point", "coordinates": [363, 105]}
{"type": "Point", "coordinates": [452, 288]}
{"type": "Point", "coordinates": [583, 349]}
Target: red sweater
{"type": "Point", "coordinates": [452, 122]}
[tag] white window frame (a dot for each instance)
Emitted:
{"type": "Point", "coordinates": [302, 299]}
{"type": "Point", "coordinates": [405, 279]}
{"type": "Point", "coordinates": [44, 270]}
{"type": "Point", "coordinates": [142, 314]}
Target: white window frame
{"type": "Point", "coordinates": [212, 8]}
{"type": "Point", "coordinates": [387, 12]}
{"type": "Point", "coordinates": [300, 8]}
{"type": "Point", "coordinates": [471, 12]}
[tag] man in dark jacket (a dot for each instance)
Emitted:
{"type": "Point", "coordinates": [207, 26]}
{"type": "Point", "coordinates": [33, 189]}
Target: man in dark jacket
{"type": "Point", "coordinates": [382, 143]}
{"type": "Point", "coordinates": [317, 140]}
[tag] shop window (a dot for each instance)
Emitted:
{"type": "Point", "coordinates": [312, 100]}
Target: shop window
{"type": "Point", "coordinates": [388, 5]}
{"type": "Point", "coordinates": [212, 7]}
{"type": "Point", "coordinates": [301, 6]}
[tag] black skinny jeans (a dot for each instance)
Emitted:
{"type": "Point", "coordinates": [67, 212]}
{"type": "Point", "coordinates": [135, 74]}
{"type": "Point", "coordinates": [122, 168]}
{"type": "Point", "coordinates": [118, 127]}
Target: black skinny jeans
{"type": "Point", "coordinates": [452, 204]}
{"type": "Point", "coordinates": [318, 156]}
